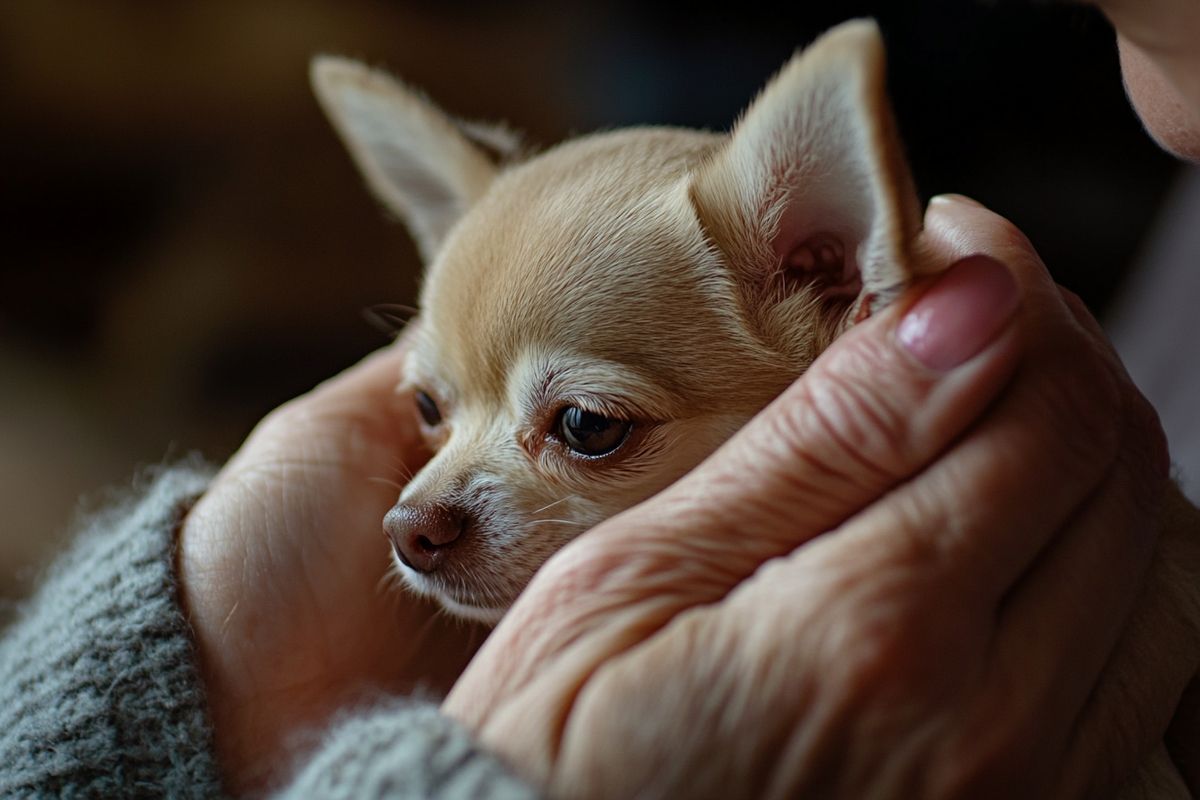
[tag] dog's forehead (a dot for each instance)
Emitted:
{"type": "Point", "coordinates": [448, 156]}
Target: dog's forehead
{"type": "Point", "coordinates": [591, 248]}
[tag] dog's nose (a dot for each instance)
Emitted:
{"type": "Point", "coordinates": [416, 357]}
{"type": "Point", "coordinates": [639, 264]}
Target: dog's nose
{"type": "Point", "coordinates": [423, 535]}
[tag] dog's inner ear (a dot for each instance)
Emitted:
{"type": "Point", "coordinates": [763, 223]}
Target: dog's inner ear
{"type": "Point", "coordinates": [424, 166]}
{"type": "Point", "coordinates": [810, 200]}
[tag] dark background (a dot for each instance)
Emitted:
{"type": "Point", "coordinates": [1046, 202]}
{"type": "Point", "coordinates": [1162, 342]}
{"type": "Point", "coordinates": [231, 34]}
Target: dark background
{"type": "Point", "coordinates": [185, 245]}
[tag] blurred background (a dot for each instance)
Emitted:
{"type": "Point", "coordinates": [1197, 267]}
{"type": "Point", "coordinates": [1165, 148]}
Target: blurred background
{"type": "Point", "coordinates": [185, 244]}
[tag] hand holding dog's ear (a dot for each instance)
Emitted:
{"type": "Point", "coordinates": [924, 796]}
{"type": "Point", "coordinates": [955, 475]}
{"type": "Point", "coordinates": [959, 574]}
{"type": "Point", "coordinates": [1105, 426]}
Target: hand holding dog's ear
{"type": "Point", "coordinates": [909, 576]}
{"type": "Point", "coordinates": [282, 568]}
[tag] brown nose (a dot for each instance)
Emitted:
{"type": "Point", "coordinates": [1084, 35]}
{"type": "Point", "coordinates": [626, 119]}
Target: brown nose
{"type": "Point", "coordinates": [423, 536]}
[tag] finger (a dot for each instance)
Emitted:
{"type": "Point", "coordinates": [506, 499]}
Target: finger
{"type": "Point", "coordinates": [991, 504]}
{"type": "Point", "coordinates": [1079, 311]}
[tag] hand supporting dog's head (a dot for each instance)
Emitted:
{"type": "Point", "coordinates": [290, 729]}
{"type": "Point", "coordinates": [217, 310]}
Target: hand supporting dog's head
{"type": "Point", "coordinates": [598, 318]}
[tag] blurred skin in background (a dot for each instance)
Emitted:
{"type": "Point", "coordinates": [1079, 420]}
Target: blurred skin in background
{"type": "Point", "coordinates": [1159, 42]}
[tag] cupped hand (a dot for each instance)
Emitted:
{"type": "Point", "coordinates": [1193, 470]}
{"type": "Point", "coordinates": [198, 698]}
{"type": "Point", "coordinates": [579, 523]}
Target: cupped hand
{"type": "Point", "coordinates": [909, 576]}
{"type": "Point", "coordinates": [283, 568]}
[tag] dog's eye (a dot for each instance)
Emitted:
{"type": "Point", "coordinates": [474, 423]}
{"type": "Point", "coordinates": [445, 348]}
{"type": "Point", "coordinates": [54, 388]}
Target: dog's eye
{"type": "Point", "coordinates": [429, 410]}
{"type": "Point", "coordinates": [591, 434]}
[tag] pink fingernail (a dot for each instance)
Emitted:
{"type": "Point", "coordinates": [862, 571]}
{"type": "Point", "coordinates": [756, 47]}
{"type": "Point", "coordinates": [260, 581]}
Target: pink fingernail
{"type": "Point", "coordinates": [960, 314]}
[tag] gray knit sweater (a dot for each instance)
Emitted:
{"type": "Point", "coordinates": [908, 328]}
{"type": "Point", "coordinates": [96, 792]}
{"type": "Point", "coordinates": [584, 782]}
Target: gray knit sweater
{"type": "Point", "coordinates": [100, 695]}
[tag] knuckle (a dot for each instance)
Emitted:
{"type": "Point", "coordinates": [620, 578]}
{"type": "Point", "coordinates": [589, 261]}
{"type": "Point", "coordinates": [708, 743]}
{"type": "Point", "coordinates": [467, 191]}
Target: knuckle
{"type": "Point", "coordinates": [845, 421]}
{"type": "Point", "coordinates": [1010, 237]}
{"type": "Point", "coordinates": [877, 637]}
{"type": "Point", "coordinates": [868, 651]}
{"type": "Point", "coordinates": [1082, 408]}
{"type": "Point", "coordinates": [1074, 303]}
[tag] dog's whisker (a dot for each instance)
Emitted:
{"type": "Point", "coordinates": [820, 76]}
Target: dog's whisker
{"type": "Point", "coordinates": [387, 482]}
{"type": "Point", "coordinates": [403, 471]}
{"type": "Point", "coordinates": [556, 502]}
{"type": "Point", "coordinates": [390, 318]}
{"type": "Point", "coordinates": [391, 582]}
{"type": "Point", "coordinates": [559, 521]}
{"type": "Point", "coordinates": [399, 463]}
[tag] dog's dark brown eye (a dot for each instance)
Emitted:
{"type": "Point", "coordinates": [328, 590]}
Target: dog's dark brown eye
{"type": "Point", "coordinates": [591, 434]}
{"type": "Point", "coordinates": [429, 410]}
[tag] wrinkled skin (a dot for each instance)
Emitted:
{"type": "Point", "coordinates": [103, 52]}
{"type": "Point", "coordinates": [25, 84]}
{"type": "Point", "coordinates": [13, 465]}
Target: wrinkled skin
{"type": "Point", "coordinates": [841, 612]}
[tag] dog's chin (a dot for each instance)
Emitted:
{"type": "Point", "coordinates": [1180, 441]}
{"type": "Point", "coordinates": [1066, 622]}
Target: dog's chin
{"type": "Point", "coordinates": [453, 602]}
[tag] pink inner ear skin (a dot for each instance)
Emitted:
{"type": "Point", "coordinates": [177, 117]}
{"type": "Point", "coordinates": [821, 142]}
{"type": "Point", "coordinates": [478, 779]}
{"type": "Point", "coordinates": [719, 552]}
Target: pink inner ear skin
{"type": "Point", "coordinates": [820, 261]}
{"type": "Point", "coordinates": [866, 309]}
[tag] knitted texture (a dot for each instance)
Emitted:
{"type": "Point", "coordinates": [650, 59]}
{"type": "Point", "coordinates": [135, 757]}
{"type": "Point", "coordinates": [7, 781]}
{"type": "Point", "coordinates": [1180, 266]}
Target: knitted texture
{"type": "Point", "coordinates": [99, 692]}
{"type": "Point", "coordinates": [405, 749]}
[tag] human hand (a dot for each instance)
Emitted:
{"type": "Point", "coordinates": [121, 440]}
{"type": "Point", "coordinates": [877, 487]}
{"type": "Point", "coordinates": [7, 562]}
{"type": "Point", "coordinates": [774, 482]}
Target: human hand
{"type": "Point", "coordinates": [906, 577]}
{"type": "Point", "coordinates": [282, 565]}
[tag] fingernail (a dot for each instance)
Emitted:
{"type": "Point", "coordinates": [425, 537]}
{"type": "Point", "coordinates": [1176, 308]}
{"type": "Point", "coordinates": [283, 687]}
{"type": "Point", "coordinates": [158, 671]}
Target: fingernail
{"type": "Point", "coordinates": [960, 314]}
{"type": "Point", "coordinates": [955, 198]}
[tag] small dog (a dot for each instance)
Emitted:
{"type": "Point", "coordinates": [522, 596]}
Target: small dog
{"type": "Point", "coordinates": [599, 318]}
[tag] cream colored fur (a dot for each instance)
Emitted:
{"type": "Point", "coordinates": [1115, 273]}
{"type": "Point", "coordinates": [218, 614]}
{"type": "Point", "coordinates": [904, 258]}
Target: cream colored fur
{"type": "Point", "coordinates": [654, 275]}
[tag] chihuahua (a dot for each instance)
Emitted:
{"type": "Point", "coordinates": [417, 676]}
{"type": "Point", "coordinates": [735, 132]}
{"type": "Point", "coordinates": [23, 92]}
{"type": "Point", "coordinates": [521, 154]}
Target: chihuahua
{"type": "Point", "coordinates": [598, 318]}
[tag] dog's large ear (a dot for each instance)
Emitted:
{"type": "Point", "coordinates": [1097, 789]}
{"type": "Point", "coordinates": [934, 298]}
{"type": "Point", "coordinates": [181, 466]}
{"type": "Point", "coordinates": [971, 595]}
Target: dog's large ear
{"type": "Point", "coordinates": [425, 167]}
{"type": "Point", "coordinates": [811, 201]}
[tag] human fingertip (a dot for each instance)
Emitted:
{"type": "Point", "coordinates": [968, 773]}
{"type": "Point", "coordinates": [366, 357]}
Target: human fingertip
{"type": "Point", "coordinates": [960, 314]}
{"type": "Point", "coordinates": [954, 199]}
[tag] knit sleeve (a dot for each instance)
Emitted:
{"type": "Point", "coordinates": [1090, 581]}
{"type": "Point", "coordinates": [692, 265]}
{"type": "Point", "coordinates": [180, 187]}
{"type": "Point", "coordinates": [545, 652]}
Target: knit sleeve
{"type": "Point", "coordinates": [403, 749]}
{"type": "Point", "coordinates": [99, 692]}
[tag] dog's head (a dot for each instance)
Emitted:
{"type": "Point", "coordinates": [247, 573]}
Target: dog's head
{"type": "Point", "coordinates": [598, 318]}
